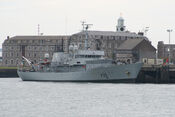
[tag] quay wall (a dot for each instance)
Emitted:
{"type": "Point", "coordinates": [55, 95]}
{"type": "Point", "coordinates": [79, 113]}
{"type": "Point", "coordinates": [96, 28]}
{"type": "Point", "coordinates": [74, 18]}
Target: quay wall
{"type": "Point", "coordinates": [7, 73]}
{"type": "Point", "coordinates": [156, 74]}
{"type": "Point", "coordinates": [148, 74]}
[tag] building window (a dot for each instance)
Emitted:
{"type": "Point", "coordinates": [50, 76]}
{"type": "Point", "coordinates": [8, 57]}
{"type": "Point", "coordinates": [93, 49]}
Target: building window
{"type": "Point", "coordinates": [34, 54]}
{"type": "Point", "coordinates": [11, 54]}
{"type": "Point", "coordinates": [53, 48]}
{"type": "Point", "coordinates": [6, 62]}
{"type": "Point", "coordinates": [42, 41]}
{"type": "Point", "coordinates": [16, 62]}
{"type": "Point", "coordinates": [11, 62]}
{"type": "Point", "coordinates": [34, 61]}
{"type": "Point", "coordinates": [167, 49]}
{"type": "Point", "coordinates": [47, 48]}
{"type": "Point", "coordinates": [109, 45]}
{"type": "Point", "coordinates": [40, 48]}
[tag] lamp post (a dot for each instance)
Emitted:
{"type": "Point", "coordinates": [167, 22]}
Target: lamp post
{"type": "Point", "coordinates": [169, 31]}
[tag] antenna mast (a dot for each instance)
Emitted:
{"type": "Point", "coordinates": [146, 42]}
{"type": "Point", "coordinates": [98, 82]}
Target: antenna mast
{"type": "Point", "coordinates": [38, 29]}
{"type": "Point", "coordinates": [83, 24]}
{"type": "Point", "coordinates": [85, 28]}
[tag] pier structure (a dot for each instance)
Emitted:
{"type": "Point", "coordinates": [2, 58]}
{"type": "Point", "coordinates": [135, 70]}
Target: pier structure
{"type": "Point", "coordinates": [156, 74]}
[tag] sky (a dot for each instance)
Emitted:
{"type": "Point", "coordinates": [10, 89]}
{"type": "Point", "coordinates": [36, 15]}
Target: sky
{"type": "Point", "coordinates": [63, 17]}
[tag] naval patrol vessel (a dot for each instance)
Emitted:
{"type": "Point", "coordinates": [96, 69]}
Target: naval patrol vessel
{"type": "Point", "coordinates": [85, 65]}
{"type": "Point", "coordinates": [79, 66]}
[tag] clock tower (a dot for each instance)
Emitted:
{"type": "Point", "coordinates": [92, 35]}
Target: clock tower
{"type": "Point", "coordinates": [120, 26]}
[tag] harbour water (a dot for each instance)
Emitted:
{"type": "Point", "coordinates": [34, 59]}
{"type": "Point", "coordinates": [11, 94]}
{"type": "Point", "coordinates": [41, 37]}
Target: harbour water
{"type": "Point", "coordinates": [55, 99]}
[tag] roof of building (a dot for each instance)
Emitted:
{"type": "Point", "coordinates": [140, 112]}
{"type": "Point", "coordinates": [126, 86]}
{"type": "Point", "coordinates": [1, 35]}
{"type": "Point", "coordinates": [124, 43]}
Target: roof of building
{"type": "Point", "coordinates": [38, 37]}
{"type": "Point", "coordinates": [130, 44]}
{"type": "Point", "coordinates": [110, 33]}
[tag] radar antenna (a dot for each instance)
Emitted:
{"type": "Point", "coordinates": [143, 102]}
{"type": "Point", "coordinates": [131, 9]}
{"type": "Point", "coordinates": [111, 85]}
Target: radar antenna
{"type": "Point", "coordinates": [83, 24]}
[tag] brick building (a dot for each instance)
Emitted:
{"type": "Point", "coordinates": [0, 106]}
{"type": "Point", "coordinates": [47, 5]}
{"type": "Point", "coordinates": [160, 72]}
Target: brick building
{"type": "Point", "coordinates": [133, 50]}
{"type": "Point", "coordinates": [32, 47]}
{"type": "Point", "coordinates": [104, 40]}
{"type": "Point", "coordinates": [164, 50]}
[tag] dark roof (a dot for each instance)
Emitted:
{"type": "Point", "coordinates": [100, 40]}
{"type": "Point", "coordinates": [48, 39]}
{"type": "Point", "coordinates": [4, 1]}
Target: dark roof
{"type": "Point", "coordinates": [37, 37]}
{"type": "Point", "coordinates": [130, 44]}
{"type": "Point", "coordinates": [110, 33]}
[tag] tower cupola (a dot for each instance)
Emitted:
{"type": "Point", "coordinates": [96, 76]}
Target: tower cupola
{"type": "Point", "coordinates": [120, 26]}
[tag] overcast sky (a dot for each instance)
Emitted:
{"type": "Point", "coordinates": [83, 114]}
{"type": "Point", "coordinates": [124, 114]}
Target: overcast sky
{"type": "Point", "coordinates": [62, 17]}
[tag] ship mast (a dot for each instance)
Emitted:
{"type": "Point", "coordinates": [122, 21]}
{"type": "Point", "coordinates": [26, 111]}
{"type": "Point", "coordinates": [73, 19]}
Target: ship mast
{"type": "Point", "coordinates": [85, 29]}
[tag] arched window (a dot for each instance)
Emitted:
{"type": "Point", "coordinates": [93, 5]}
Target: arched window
{"type": "Point", "coordinates": [11, 62]}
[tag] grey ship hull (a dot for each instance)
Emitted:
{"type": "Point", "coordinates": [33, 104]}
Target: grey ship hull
{"type": "Point", "coordinates": [117, 73]}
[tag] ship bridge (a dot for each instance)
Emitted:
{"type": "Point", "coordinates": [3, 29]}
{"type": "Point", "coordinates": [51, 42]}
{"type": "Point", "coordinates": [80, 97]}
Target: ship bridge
{"type": "Point", "coordinates": [89, 54]}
